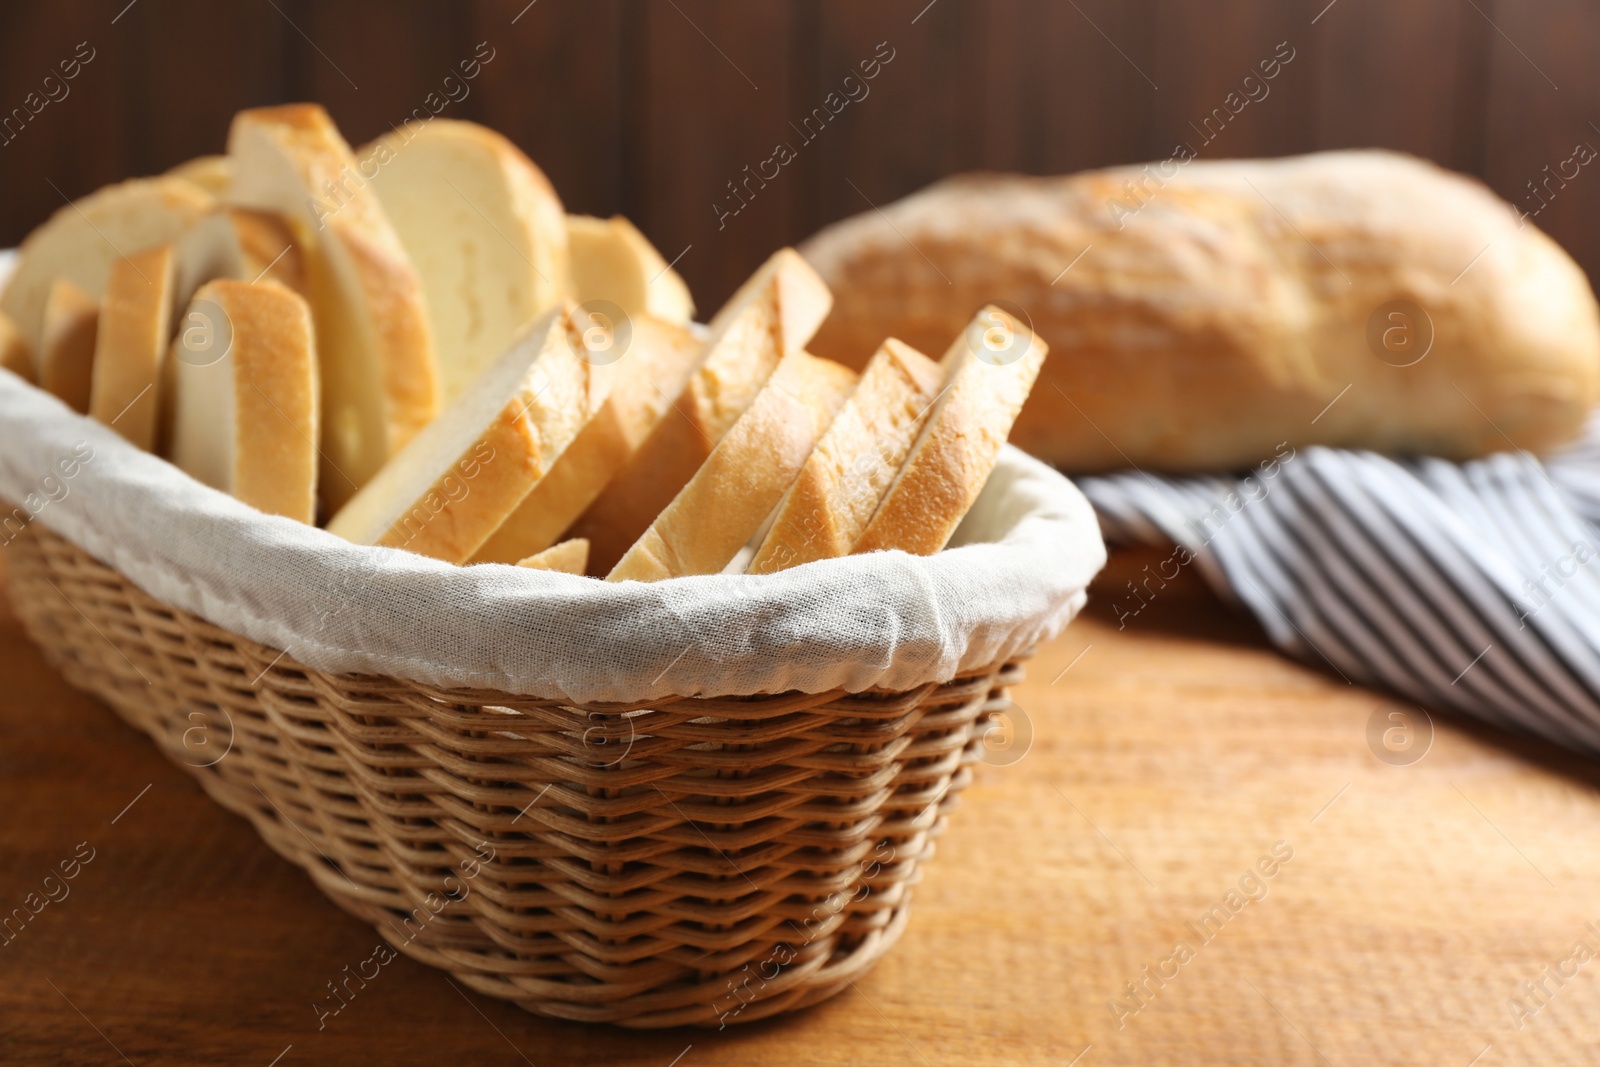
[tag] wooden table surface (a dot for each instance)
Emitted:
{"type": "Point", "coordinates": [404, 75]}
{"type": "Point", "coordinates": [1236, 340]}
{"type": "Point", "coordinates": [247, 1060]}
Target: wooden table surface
{"type": "Point", "coordinates": [1171, 763]}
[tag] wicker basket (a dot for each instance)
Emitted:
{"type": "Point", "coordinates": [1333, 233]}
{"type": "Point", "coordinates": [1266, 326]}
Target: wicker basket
{"type": "Point", "coordinates": [690, 861]}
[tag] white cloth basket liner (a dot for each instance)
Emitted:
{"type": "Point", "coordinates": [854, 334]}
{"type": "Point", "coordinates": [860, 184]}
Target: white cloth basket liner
{"type": "Point", "coordinates": [1027, 551]}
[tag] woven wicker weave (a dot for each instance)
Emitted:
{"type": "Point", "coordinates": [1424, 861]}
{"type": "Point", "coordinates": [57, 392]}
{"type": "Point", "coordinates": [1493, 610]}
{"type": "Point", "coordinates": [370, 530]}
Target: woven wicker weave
{"type": "Point", "coordinates": [689, 861]}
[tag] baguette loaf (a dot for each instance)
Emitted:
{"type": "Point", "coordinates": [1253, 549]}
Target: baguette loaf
{"type": "Point", "coordinates": [456, 482]}
{"type": "Point", "coordinates": [988, 372]}
{"type": "Point", "coordinates": [1356, 299]}
{"type": "Point", "coordinates": [826, 510]}
{"type": "Point", "coordinates": [238, 243]}
{"type": "Point", "coordinates": [612, 260]}
{"type": "Point", "coordinates": [15, 355]}
{"type": "Point", "coordinates": [244, 396]}
{"type": "Point", "coordinates": [379, 381]}
{"type": "Point", "coordinates": [653, 370]}
{"type": "Point", "coordinates": [732, 494]}
{"type": "Point", "coordinates": [81, 241]}
{"type": "Point", "coordinates": [66, 350]}
{"type": "Point", "coordinates": [569, 557]}
{"type": "Point", "coordinates": [131, 345]}
{"type": "Point", "coordinates": [484, 229]}
{"type": "Point", "coordinates": [772, 314]}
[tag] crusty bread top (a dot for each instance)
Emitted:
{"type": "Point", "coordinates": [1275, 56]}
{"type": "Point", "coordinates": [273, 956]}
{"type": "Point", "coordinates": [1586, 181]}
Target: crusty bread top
{"type": "Point", "coordinates": [457, 481]}
{"type": "Point", "coordinates": [988, 372]}
{"type": "Point", "coordinates": [724, 504]}
{"type": "Point", "coordinates": [245, 397]}
{"type": "Point", "coordinates": [826, 510]}
{"type": "Point", "coordinates": [658, 359]}
{"type": "Point", "coordinates": [771, 315]}
{"type": "Point", "coordinates": [15, 355]}
{"type": "Point", "coordinates": [1219, 307]}
{"type": "Point", "coordinates": [484, 229]}
{"type": "Point", "coordinates": [379, 378]}
{"type": "Point", "coordinates": [131, 344]}
{"type": "Point", "coordinates": [212, 173]}
{"type": "Point", "coordinates": [569, 557]}
{"type": "Point", "coordinates": [82, 239]}
{"type": "Point", "coordinates": [66, 351]}
{"type": "Point", "coordinates": [612, 260]}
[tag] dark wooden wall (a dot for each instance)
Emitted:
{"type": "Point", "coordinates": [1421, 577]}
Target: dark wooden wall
{"type": "Point", "coordinates": [650, 107]}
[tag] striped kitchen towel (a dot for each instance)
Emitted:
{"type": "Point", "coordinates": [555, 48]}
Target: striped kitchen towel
{"type": "Point", "coordinates": [1470, 586]}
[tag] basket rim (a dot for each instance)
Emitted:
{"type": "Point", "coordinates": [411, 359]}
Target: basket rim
{"type": "Point", "coordinates": [1018, 574]}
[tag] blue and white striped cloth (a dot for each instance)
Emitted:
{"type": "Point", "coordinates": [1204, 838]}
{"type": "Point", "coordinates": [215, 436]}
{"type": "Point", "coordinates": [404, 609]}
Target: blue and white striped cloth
{"type": "Point", "coordinates": [1469, 586]}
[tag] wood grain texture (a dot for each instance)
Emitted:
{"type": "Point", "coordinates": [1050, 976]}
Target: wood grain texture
{"type": "Point", "coordinates": [650, 110]}
{"type": "Point", "coordinates": [572, 51]}
{"type": "Point", "coordinates": [1165, 760]}
{"type": "Point", "coordinates": [712, 105]}
{"type": "Point", "coordinates": [1544, 102]}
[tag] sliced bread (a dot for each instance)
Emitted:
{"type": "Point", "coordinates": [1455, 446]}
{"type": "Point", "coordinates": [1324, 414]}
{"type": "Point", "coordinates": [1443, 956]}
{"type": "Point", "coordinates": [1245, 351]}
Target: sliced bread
{"type": "Point", "coordinates": [131, 344]}
{"type": "Point", "coordinates": [212, 173]}
{"type": "Point", "coordinates": [244, 396]}
{"type": "Point", "coordinates": [772, 315]}
{"type": "Point", "coordinates": [988, 373]}
{"type": "Point", "coordinates": [732, 494]}
{"type": "Point", "coordinates": [379, 381]}
{"type": "Point", "coordinates": [81, 241]}
{"type": "Point", "coordinates": [242, 244]}
{"type": "Point", "coordinates": [569, 557]}
{"type": "Point", "coordinates": [66, 349]}
{"type": "Point", "coordinates": [457, 481]}
{"type": "Point", "coordinates": [827, 508]}
{"type": "Point", "coordinates": [658, 360]}
{"type": "Point", "coordinates": [15, 354]}
{"type": "Point", "coordinates": [483, 228]}
{"type": "Point", "coordinates": [612, 260]}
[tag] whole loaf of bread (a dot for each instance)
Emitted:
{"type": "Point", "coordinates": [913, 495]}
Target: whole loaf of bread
{"type": "Point", "coordinates": [1199, 314]}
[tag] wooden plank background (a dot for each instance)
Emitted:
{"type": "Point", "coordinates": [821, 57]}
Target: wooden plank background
{"type": "Point", "coordinates": [652, 108]}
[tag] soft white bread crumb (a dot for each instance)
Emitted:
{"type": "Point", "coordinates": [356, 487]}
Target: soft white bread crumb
{"type": "Point", "coordinates": [66, 349]}
{"type": "Point", "coordinates": [730, 496]}
{"type": "Point", "coordinates": [457, 481]}
{"type": "Point", "coordinates": [569, 557]}
{"type": "Point", "coordinates": [772, 314]}
{"type": "Point", "coordinates": [131, 345]}
{"type": "Point", "coordinates": [484, 229]}
{"type": "Point", "coordinates": [82, 239]}
{"type": "Point", "coordinates": [827, 508]}
{"type": "Point", "coordinates": [644, 379]}
{"type": "Point", "coordinates": [244, 396]}
{"type": "Point", "coordinates": [612, 260]}
{"type": "Point", "coordinates": [989, 371]}
{"type": "Point", "coordinates": [379, 380]}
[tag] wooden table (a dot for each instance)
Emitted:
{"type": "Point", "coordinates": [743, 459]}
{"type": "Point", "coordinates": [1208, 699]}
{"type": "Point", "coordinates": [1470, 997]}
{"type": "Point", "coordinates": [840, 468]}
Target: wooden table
{"type": "Point", "coordinates": [1408, 903]}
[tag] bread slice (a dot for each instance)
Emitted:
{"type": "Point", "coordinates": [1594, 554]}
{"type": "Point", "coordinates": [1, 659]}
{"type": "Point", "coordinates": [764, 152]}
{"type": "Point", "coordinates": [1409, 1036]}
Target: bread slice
{"type": "Point", "coordinates": [66, 351]}
{"type": "Point", "coordinates": [827, 508]}
{"type": "Point", "coordinates": [569, 557]}
{"type": "Point", "coordinates": [81, 241]}
{"type": "Point", "coordinates": [658, 360]}
{"type": "Point", "coordinates": [728, 499]}
{"type": "Point", "coordinates": [989, 371]}
{"type": "Point", "coordinates": [379, 382]}
{"type": "Point", "coordinates": [242, 244]}
{"type": "Point", "coordinates": [772, 315]}
{"type": "Point", "coordinates": [484, 229]}
{"type": "Point", "coordinates": [15, 355]}
{"type": "Point", "coordinates": [455, 483]}
{"type": "Point", "coordinates": [612, 260]}
{"type": "Point", "coordinates": [131, 345]}
{"type": "Point", "coordinates": [244, 396]}
{"type": "Point", "coordinates": [212, 173]}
